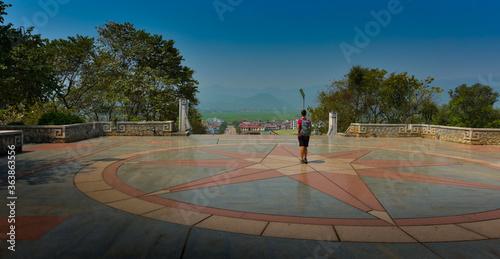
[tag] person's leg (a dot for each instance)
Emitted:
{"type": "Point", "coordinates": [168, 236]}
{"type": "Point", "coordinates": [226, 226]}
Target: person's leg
{"type": "Point", "coordinates": [303, 151]}
{"type": "Point", "coordinates": [306, 144]}
{"type": "Point", "coordinates": [301, 144]}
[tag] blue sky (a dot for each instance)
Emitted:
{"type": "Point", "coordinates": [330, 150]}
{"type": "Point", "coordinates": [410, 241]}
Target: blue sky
{"type": "Point", "coordinates": [296, 44]}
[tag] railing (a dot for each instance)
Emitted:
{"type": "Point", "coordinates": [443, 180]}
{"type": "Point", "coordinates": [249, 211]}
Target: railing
{"type": "Point", "coordinates": [75, 132]}
{"type": "Point", "coordinates": [11, 138]}
{"type": "Point", "coordinates": [475, 136]}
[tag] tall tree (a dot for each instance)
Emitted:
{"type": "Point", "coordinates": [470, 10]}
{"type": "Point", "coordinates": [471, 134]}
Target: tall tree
{"type": "Point", "coordinates": [25, 75]}
{"type": "Point", "coordinates": [334, 98]}
{"type": "Point", "coordinates": [370, 96]}
{"type": "Point", "coordinates": [3, 7]}
{"type": "Point", "coordinates": [428, 111]}
{"type": "Point", "coordinates": [71, 59]}
{"type": "Point", "coordinates": [470, 106]}
{"type": "Point", "coordinates": [144, 73]}
{"type": "Point", "coordinates": [403, 96]}
{"type": "Point", "coordinates": [196, 121]}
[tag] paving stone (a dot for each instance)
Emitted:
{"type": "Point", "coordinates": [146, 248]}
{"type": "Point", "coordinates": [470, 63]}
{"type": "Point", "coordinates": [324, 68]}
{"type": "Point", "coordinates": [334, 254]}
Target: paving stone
{"type": "Point", "coordinates": [301, 231]}
{"type": "Point", "coordinates": [248, 197]}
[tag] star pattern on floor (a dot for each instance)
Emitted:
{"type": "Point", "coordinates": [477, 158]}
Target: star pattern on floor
{"type": "Point", "coordinates": [339, 175]}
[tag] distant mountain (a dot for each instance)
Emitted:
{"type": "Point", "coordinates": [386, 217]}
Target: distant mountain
{"type": "Point", "coordinates": [219, 102]}
{"type": "Point", "coordinates": [219, 98]}
{"type": "Point", "coordinates": [263, 101]}
{"type": "Point", "coordinates": [258, 102]}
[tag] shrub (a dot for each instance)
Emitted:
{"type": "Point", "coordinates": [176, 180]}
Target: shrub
{"type": "Point", "coordinates": [76, 119]}
{"type": "Point", "coordinates": [58, 118]}
{"type": "Point", "coordinates": [16, 123]}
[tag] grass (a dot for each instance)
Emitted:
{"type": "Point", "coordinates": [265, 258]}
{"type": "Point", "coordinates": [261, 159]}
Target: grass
{"type": "Point", "coordinates": [286, 132]}
{"type": "Point", "coordinates": [254, 115]}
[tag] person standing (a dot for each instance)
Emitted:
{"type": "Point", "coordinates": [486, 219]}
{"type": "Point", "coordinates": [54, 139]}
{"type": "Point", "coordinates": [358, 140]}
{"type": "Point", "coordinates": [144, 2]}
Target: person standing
{"type": "Point", "coordinates": [304, 126]}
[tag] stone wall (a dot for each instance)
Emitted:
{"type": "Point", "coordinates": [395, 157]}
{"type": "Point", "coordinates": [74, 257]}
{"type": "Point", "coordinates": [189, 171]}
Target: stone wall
{"type": "Point", "coordinates": [148, 128]}
{"type": "Point", "coordinates": [59, 133]}
{"type": "Point", "coordinates": [75, 132]}
{"type": "Point", "coordinates": [11, 137]}
{"type": "Point", "coordinates": [451, 134]}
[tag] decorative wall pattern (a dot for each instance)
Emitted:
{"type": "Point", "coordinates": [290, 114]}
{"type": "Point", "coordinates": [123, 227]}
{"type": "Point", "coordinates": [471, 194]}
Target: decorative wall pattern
{"type": "Point", "coordinates": [451, 134]}
{"type": "Point", "coordinates": [11, 137]}
{"type": "Point", "coordinates": [75, 132]}
{"type": "Point", "coordinates": [147, 128]}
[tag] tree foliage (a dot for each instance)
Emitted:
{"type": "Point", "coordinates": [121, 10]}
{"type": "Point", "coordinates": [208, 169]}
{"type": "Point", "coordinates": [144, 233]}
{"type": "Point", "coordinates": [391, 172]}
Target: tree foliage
{"type": "Point", "coordinates": [470, 106]}
{"type": "Point", "coordinates": [223, 127]}
{"type": "Point", "coordinates": [140, 75]}
{"type": "Point", "coordinates": [3, 6]}
{"type": "Point", "coordinates": [373, 96]}
{"type": "Point", "coordinates": [26, 77]}
{"type": "Point", "coordinates": [196, 121]}
{"type": "Point", "coordinates": [124, 74]}
{"type": "Point", "coordinates": [59, 118]}
{"type": "Point", "coordinates": [71, 59]}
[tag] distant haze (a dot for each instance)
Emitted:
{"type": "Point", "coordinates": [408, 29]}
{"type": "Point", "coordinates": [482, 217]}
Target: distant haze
{"type": "Point", "coordinates": [218, 98]}
{"type": "Point", "coordinates": [225, 99]}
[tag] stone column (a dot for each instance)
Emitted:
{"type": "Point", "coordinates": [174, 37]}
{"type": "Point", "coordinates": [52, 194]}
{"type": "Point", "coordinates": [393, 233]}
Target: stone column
{"type": "Point", "coordinates": [332, 124]}
{"type": "Point", "coordinates": [183, 115]}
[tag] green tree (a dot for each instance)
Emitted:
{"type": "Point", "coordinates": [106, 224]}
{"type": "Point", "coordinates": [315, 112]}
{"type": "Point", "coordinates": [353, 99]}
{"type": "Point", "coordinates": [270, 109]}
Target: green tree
{"type": "Point", "coordinates": [428, 111]}
{"type": "Point", "coordinates": [334, 98]}
{"type": "Point", "coordinates": [71, 59]}
{"type": "Point", "coordinates": [404, 96]}
{"type": "Point", "coordinates": [143, 72]}
{"type": "Point", "coordinates": [3, 6]}
{"type": "Point", "coordinates": [470, 106]}
{"type": "Point", "coordinates": [355, 98]}
{"type": "Point", "coordinates": [100, 99]}
{"type": "Point", "coordinates": [223, 127]}
{"type": "Point", "coordinates": [443, 116]}
{"type": "Point", "coordinates": [370, 96]}
{"type": "Point", "coordinates": [25, 75]}
{"type": "Point", "coordinates": [196, 121]}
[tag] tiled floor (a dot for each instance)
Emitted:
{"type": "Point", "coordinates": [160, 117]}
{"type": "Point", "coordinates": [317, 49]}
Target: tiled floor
{"type": "Point", "coordinates": [249, 197]}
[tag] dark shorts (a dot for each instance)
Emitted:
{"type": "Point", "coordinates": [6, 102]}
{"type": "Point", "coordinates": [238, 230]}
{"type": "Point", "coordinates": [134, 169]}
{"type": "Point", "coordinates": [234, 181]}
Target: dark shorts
{"type": "Point", "coordinates": [303, 141]}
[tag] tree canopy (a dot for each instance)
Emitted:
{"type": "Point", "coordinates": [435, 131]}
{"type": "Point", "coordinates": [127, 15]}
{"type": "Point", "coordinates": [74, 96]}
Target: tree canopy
{"type": "Point", "coordinates": [470, 106]}
{"type": "Point", "coordinates": [143, 72]}
{"type": "Point", "coordinates": [373, 96]}
{"type": "Point", "coordinates": [71, 59]}
{"type": "Point", "coordinates": [25, 75]}
{"type": "Point", "coordinates": [368, 95]}
{"type": "Point", "coordinates": [124, 74]}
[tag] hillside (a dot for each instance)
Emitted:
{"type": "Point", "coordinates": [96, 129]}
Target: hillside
{"type": "Point", "coordinates": [225, 99]}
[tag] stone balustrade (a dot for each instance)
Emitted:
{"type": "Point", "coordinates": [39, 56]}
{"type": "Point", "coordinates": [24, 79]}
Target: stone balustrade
{"type": "Point", "coordinates": [148, 128]}
{"type": "Point", "coordinates": [75, 132]}
{"type": "Point", "coordinates": [59, 133]}
{"type": "Point", "coordinates": [474, 136]}
{"type": "Point", "coordinates": [9, 138]}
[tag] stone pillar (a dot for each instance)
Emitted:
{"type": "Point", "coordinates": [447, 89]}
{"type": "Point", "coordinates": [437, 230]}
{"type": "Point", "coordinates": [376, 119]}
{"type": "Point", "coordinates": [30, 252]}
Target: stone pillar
{"type": "Point", "coordinates": [332, 124]}
{"type": "Point", "coordinates": [183, 115]}
{"type": "Point", "coordinates": [9, 138]}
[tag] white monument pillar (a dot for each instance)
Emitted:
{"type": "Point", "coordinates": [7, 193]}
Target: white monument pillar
{"type": "Point", "coordinates": [332, 124]}
{"type": "Point", "coordinates": [183, 115]}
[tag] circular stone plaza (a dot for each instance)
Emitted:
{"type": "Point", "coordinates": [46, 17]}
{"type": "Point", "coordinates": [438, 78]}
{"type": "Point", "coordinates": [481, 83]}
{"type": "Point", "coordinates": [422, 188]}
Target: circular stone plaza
{"type": "Point", "coordinates": [249, 197]}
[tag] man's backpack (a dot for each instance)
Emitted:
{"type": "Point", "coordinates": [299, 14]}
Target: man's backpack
{"type": "Point", "coordinates": [306, 128]}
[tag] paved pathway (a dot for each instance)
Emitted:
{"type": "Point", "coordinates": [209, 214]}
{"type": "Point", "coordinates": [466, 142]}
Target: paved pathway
{"type": "Point", "coordinates": [249, 197]}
